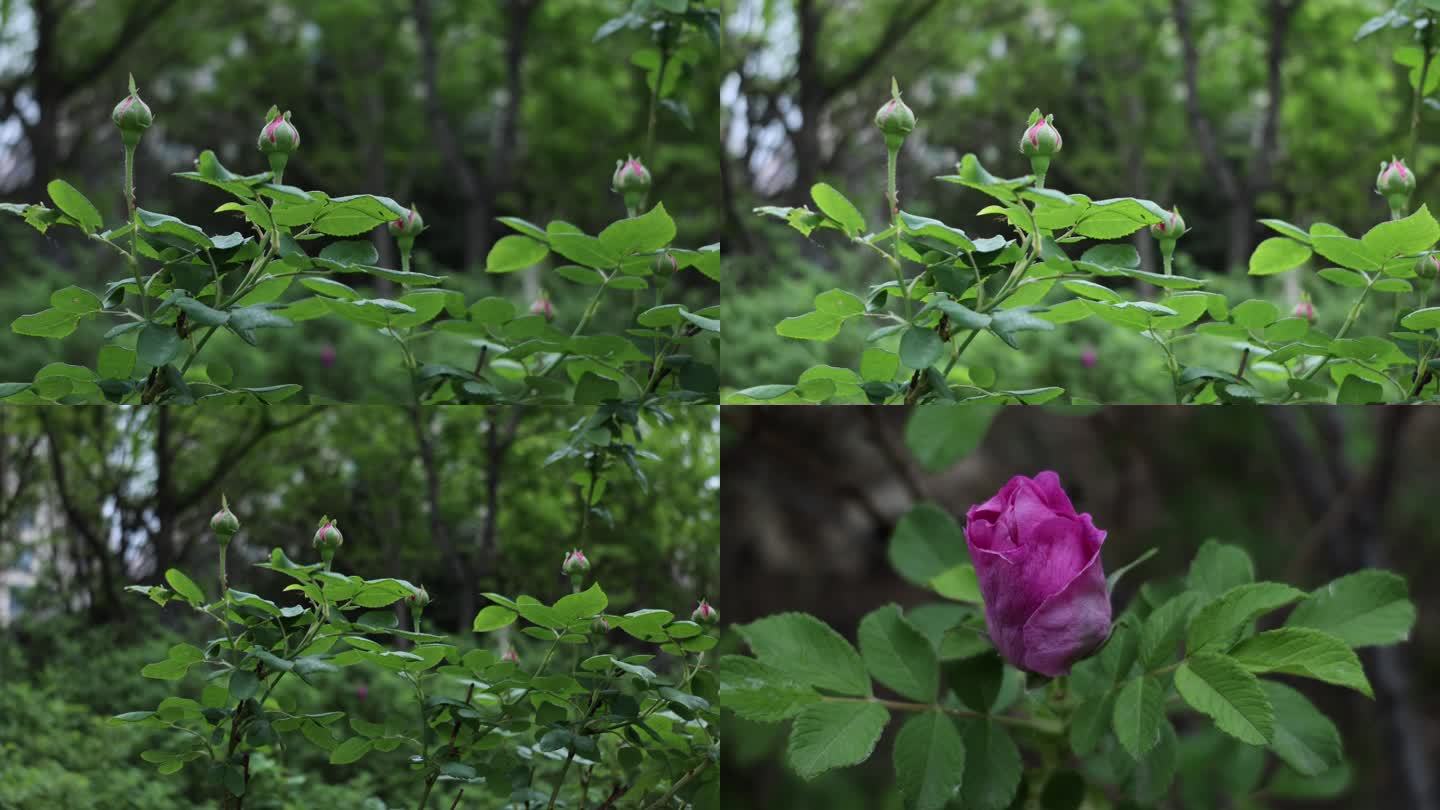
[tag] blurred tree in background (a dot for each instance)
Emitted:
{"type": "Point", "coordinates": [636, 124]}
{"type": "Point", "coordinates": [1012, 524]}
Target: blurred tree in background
{"type": "Point", "coordinates": [1232, 110]}
{"type": "Point", "coordinates": [468, 110]}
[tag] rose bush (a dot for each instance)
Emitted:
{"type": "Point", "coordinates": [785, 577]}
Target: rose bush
{"type": "Point", "coordinates": [1056, 257]}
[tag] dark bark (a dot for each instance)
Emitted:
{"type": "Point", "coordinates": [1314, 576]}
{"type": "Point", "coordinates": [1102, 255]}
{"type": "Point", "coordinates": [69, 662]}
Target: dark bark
{"type": "Point", "coordinates": [1239, 186]}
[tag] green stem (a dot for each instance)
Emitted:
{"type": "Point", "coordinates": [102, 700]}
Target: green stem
{"type": "Point", "coordinates": [655, 93]}
{"type": "Point", "coordinates": [134, 229]}
{"type": "Point", "coordinates": [1345, 327]}
{"type": "Point", "coordinates": [560, 780]}
{"type": "Point", "coordinates": [678, 786]}
{"type": "Point", "coordinates": [892, 194]}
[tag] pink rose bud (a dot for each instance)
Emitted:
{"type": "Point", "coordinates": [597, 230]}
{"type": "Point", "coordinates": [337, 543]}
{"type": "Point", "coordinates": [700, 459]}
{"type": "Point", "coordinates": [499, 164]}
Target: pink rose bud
{"type": "Point", "coordinates": [278, 134]}
{"type": "Point", "coordinates": [361, 692]}
{"type": "Point", "coordinates": [664, 262]}
{"type": "Point", "coordinates": [1170, 227]}
{"type": "Point", "coordinates": [575, 563]}
{"type": "Point", "coordinates": [1395, 178]}
{"type": "Point", "coordinates": [705, 615]}
{"type": "Point", "coordinates": [1041, 139]}
{"type": "Point", "coordinates": [132, 116]}
{"type": "Point", "coordinates": [1428, 266]}
{"type": "Point", "coordinates": [278, 138]}
{"type": "Point", "coordinates": [409, 225]}
{"type": "Point", "coordinates": [328, 538]}
{"type": "Point", "coordinates": [1306, 310]}
{"type": "Point", "coordinates": [327, 355]}
{"type": "Point", "coordinates": [224, 523]}
{"type": "Point", "coordinates": [542, 306]}
{"type": "Point", "coordinates": [1089, 358]}
{"type": "Point", "coordinates": [1038, 562]}
{"type": "Point", "coordinates": [420, 599]}
{"type": "Point", "coordinates": [511, 656]}
{"type": "Point", "coordinates": [630, 176]}
{"type": "Point", "coordinates": [894, 119]}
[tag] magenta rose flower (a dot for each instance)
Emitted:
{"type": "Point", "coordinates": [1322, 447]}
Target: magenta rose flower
{"type": "Point", "coordinates": [1038, 562]}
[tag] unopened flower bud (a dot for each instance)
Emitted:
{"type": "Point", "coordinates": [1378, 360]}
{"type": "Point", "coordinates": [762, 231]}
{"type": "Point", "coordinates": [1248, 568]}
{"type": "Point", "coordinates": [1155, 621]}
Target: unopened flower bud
{"type": "Point", "coordinates": [420, 599]}
{"type": "Point", "coordinates": [575, 563]}
{"type": "Point", "coordinates": [409, 225]}
{"type": "Point", "coordinates": [1304, 309]}
{"type": "Point", "coordinates": [1089, 358]}
{"type": "Point", "coordinates": [1428, 265]}
{"type": "Point", "coordinates": [224, 523]}
{"type": "Point", "coordinates": [328, 539]}
{"type": "Point", "coordinates": [132, 116]}
{"type": "Point", "coordinates": [631, 181]}
{"type": "Point", "coordinates": [1170, 227]}
{"type": "Point", "coordinates": [1040, 143]}
{"type": "Point", "coordinates": [277, 140]}
{"type": "Point", "coordinates": [705, 615]}
{"type": "Point", "coordinates": [600, 626]}
{"type": "Point", "coordinates": [1395, 183]}
{"type": "Point", "coordinates": [542, 306]}
{"type": "Point", "coordinates": [1041, 139]}
{"type": "Point", "coordinates": [664, 262]}
{"type": "Point", "coordinates": [895, 119]}
{"type": "Point", "coordinates": [511, 656]}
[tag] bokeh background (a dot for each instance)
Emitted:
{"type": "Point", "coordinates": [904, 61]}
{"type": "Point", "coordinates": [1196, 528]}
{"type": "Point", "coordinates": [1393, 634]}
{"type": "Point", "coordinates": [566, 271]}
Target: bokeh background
{"type": "Point", "coordinates": [463, 500]}
{"type": "Point", "coordinates": [469, 110]}
{"type": "Point", "coordinates": [1234, 110]}
{"type": "Point", "coordinates": [813, 494]}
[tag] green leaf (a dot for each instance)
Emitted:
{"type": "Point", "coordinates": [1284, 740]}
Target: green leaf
{"type": "Point", "coordinates": [898, 655]}
{"type": "Point", "coordinates": [1091, 720]}
{"type": "Point", "coordinates": [75, 205]}
{"type": "Point", "coordinates": [920, 348]}
{"type": "Point", "coordinates": [760, 693]}
{"type": "Point", "coordinates": [1277, 255]}
{"type": "Point", "coordinates": [1255, 313]}
{"type": "Point", "coordinates": [1365, 608]}
{"type": "Point", "coordinates": [959, 584]}
{"type": "Point", "coordinates": [184, 586]}
{"type": "Point", "coordinates": [835, 735]}
{"type": "Point", "coordinates": [350, 751]}
{"type": "Point", "coordinates": [643, 234]}
{"type": "Point", "coordinates": [1223, 690]}
{"type": "Point", "coordinates": [1304, 652]}
{"type": "Point", "coordinates": [350, 252]}
{"type": "Point", "coordinates": [838, 208]}
{"type": "Point", "coordinates": [1421, 320]}
{"type": "Point", "coordinates": [1218, 567]}
{"type": "Point", "coordinates": [977, 681]}
{"type": "Point", "coordinates": [589, 602]}
{"type": "Point", "coordinates": [115, 362]}
{"type": "Point", "coordinates": [1412, 234]}
{"type": "Point", "coordinates": [152, 222]}
{"type": "Point", "coordinates": [1304, 737]}
{"type": "Point", "coordinates": [929, 761]}
{"type": "Point", "coordinates": [157, 345]}
{"type": "Point", "coordinates": [992, 766]}
{"type": "Point", "coordinates": [243, 684]}
{"type": "Point", "coordinates": [50, 323]}
{"type": "Point", "coordinates": [1160, 635]}
{"type": "Point", "coordinates": [1346, 252]}
{"type": "Point", "coordinates": [493, 617]}
{"type": "Point", "coordinates": [1139, 709]}
{"type": "Point", "coordinates": [808, 650]}
{"type": "Point", "coordinates": [1357, 391]}
{"type": "Point", "coordinates": [583, 249]}
{"type": "Point", "coordinates": [939, 435]}
{"type": "Point", "coordinates": [927, 542]}
{"type": "Point", "coordinates": [75, 301]}
{"type": "Point", "coordinates": [1221, 623]}
{"type": "Point", "coordinates": [1008, 322]}
{"type": "Point", "coordinates": [513, 253]}
{"type": "Point", "coordinates": [832, 309]}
